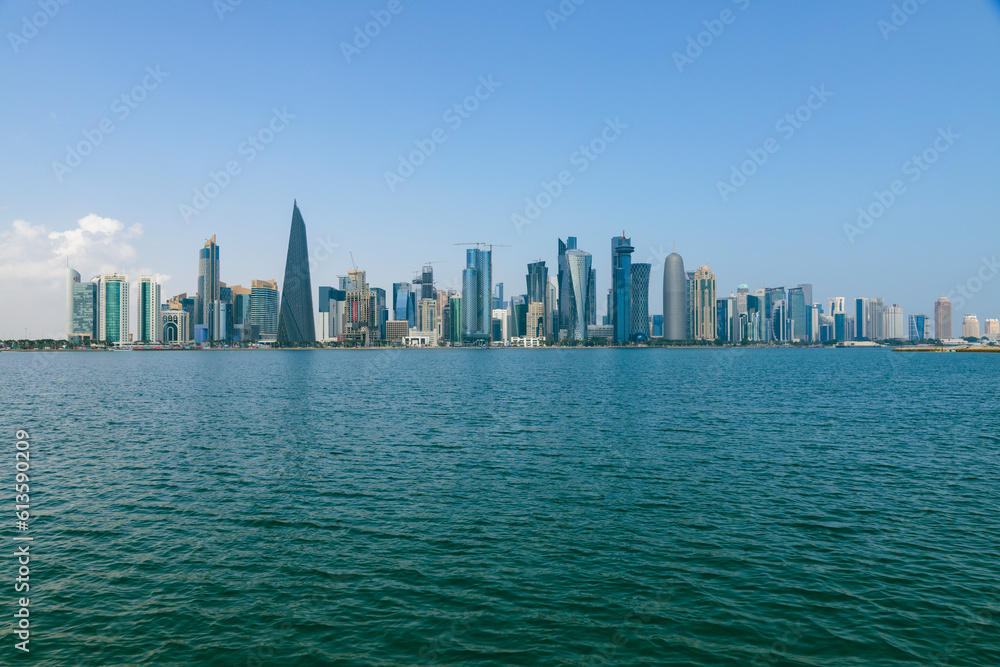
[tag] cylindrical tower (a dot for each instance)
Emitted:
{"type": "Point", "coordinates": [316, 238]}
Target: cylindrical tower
{"type": "Point", "coordinates": [674, 298]}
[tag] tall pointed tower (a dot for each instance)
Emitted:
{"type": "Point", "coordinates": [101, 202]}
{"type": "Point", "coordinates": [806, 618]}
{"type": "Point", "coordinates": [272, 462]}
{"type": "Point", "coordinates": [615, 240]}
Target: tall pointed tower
{"type": "Point", "coordinates": [295, 314]}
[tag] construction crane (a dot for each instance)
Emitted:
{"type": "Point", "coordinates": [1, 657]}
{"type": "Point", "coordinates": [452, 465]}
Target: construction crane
{"type": "Point", "coordinates": [484, 244]}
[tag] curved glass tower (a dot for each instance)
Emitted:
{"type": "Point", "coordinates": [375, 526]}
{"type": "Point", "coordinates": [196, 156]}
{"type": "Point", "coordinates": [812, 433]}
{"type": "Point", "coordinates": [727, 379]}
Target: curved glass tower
{"type": "Point", "coordinates": [674, 298]}
{"type": "Point", "coordinates": [295, 313]}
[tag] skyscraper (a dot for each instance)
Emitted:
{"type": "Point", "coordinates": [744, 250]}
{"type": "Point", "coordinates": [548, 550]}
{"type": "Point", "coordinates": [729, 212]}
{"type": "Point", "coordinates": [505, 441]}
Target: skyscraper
{"type": "Point", "coordinates": [703, 306]}
{"type": "Point", "coordinates": [862, 328]}
{"type": "Point", "coordinates": [919, 327]}
{"type": "Point", "coordinates": [772, 295]}
{"type": "Point", "coordinates": [113, 307]}
{"type": "Point", "coordinates": [552, 291]}
{"type": "Point", "coordinates": [725, 307]}
{"type": "Point", "coordinates": [970, 326]}
{"type": "Point", "coordinates": [674, 298]}
{"type": "Point", "coordinates": [621, 264]}
{"type": "Point", "coordinates": [797, 313]}
{"type": "Point", "coordinates": [991, 327]}
{"type": "Point", "coordinates": [894, 323]}
{"type": "Point", "coordinates": [477, 316]}
{"type": "Point", "coordinates": [562, 322]}
{"type": "Point", "coordinates": [639, 301]}
{"type": "Point", "coordinates": [295, 312]}
{"type": "Point", "coordinates": [578, 276]}
{"type": "Point", "coordinates": [264, 308]}
{"type": "Point", "coordinates": [538, 292]}
{"type": "Point", "coordinates": [942, 318]}
{"type": "Point", "coordinates": [149, 319]}
{"type": "Point", "coordinates": [242, 328]}
{"type": "Point", "coordinates": [209, 287]}
{"type": "Point", "coordinates": [876, 319]}
{"type": "Point", "coordinates": [81, 309]}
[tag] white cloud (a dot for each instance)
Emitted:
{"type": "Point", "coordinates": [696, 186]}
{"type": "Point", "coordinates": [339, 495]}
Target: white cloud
{"type": "Point", "coordinates": [33, 262]}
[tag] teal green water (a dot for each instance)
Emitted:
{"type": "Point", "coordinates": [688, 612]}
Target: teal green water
{"type": "Point", "coordinates": [521, 507]}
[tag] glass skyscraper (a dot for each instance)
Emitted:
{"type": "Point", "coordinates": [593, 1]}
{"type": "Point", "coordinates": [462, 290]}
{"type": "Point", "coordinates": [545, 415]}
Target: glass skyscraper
{"type": "Point", "coordinates": [81, 309]}
{"type": "Point", "coordinates": [797, 313]}
{"type": "Point", "coordinates": [149, 318]}
{"type": "Point", "coordinates": [639, 301]}
{"type": "Point", "coordinates": [621, 286]}
{"type": "Point", "coordinates": [264, 308]}
{"type": "Point", "coordinates": [295, 311]}
{"type": "Point", "coordinates": [113, 307]}
{"type": "Point", "coordinates": [579, 275]}
{"type": "Point", "coordinates": [477, 315]}
{"type": "Point", "coordinates": [209, 286]}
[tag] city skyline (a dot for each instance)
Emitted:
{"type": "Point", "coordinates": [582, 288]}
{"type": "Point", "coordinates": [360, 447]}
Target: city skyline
{"type": "Point", "coordinates": [563, 307]}
{"type": "Point", "coordinates": [626, 162]}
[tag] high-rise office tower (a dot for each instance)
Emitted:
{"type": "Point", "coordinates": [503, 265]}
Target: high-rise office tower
{"type": "Point", "coordinates": [639, 325]}
{"type": "Point", "coordinates": [427, 282]}
{"type": "Point", "coordinates": [81, 309]}
{"type": "Point", "coordinates": [895, 323]}
{"type": "Point", "coordinates": [535, 325]}
{"type": "Point", "coordinates": [209, 286]}
{"type": "Point", "coordinates": [807, 292]}
{"type": "Point", "coordinates": [772, 295]}
{"type": "Point", "coordinates": [876, 319]}
{"type": "Point", "coordinates": [427, 315]}
{"type": "Point", "coordinates": [812, 321]}
{"type": "Point", "coordinates": [149, 321]}
{"type": "Point", "coordinates": [840, 332]}
{"type": "Point", "coordinates": [361, 314]}
{"type": "Point", "coordinates": [592, 298]}
{"type": "Point", "coordinates": [942, 318]}
{"type": "Point", "coordinates": [295, 311]}
{"type": "Point", "coordinates": [781, 327]}
{"type": "Point", "coordinates": [674, 298]}
{"type": "Point", "coordinates": [752, 321]}
{"type": "Point", "coordinates": [537, 281]}
{"type": "Point", "coordinates": [477, 316]}
{"type": "Point", "coordinates": [797, 313]}
{"type": "Point", "coordinates": [579, 274]}
{"type": "Point", "coordinates": [563, 305]}
{"type": "Point", "coordinates": [837, 304]}
{"type": "Point", "coordinates": [455, 322]}
{"type": "Point", "coordinates": [242, 328]}
{"type": "Point", "coordinates": [498, 302]}
{"type": "Point", "coordinates": [552, 305]}
{"type": "Point", "coordinates": [970, 326]}
{"type": "Point", "coordinates": [703, 306]}
{"type": "Point", "coordinates": [861, 323]}
{"type": "Point", "coordinates": [264, 308]}
{"type": "Point", "coordinates": [331, 304]}
{"type": "Point", "coordinates": [112, 307]}
{"type": "Point", "coordinates": [919, 327]}
{"type": "Point", "coordinates": [724, 311]}
{"type": "Point", "coordinates": [621, 265]}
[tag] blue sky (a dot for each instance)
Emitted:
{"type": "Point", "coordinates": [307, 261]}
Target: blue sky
{"type": "Point", "coordinates": [343, 121]}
